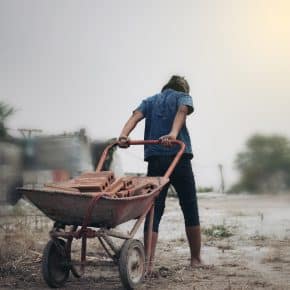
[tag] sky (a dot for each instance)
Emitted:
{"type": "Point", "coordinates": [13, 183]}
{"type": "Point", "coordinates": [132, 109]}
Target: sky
{"type": "Point", "coordinates": [70, 64]}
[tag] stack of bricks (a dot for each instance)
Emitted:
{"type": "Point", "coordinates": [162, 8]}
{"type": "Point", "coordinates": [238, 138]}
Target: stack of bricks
{"type": "Point", "coordinates": [104, 181]}
{"type": "Point", "coordinates": [87, 182]}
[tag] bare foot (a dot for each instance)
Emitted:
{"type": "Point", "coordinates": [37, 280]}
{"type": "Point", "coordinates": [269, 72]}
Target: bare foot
{"type": "Point", "coordinates": [151, 274]}
{"type": "Point", "coordinates": [196, 263]}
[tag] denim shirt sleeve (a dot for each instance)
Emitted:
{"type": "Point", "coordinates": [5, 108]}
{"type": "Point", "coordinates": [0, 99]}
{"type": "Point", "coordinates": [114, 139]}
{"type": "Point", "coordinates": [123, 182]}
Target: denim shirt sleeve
{"type": "Point", "coordinates": [186, 100]}
{"type": "Point", "coordinates": [142, 108]}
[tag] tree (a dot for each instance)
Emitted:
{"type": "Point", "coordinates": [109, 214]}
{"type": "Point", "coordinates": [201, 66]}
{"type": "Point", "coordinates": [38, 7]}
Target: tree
{"type": "Point", "coordinates": [5, 112]}
{"type": "Point", "coordinates": [264, 165]}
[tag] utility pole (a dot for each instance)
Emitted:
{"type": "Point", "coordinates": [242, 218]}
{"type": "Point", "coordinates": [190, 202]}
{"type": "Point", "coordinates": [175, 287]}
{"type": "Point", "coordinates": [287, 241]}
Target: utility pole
{"type": "Point", "coordinates": [222, 184]}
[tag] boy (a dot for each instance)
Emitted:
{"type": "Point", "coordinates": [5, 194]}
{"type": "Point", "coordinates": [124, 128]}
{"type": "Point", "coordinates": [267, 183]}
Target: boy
{"type": "Point", "coordinates": [165, 119]}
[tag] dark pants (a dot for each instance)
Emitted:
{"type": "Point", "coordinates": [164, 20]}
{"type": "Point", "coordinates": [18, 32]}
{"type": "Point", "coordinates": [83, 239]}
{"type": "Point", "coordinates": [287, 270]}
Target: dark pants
{"type": "Point", "coordinates": [182, 180]}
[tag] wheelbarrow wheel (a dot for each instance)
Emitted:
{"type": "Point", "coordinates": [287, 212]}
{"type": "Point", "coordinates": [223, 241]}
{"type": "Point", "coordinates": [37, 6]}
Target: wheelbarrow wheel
{"type": "Point", "coordinates": [132, 263]}
{"type": "Point", "coordinates": [55, 268]}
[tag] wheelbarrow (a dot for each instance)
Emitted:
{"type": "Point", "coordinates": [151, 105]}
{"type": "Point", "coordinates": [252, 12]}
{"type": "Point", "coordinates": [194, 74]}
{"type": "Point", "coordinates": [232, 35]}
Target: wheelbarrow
{"type": "Point", "coordinates": [91, 206]}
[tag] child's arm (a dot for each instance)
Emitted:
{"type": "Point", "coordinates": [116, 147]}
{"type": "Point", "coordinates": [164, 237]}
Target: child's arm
{"type": "Point", "coordinates": [178, 123]}
{"type": "Point", "coordinates": [129, 126]}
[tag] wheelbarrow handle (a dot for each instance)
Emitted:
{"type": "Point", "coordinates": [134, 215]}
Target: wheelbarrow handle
{"type": "Point", "coordinates": [143, 142]}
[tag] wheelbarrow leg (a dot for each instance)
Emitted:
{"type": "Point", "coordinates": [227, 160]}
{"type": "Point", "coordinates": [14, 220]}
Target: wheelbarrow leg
{"type": "Point", "coordinates": [148, 242]}
{"type": "Point", "coordinates": [74, 271]}
{"type": "Point", "coordinates": [83, 253]}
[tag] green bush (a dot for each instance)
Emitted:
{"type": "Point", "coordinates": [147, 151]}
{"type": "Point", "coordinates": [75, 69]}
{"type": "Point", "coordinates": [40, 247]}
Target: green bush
{"type": "Point", "coordinates": [264, 165]}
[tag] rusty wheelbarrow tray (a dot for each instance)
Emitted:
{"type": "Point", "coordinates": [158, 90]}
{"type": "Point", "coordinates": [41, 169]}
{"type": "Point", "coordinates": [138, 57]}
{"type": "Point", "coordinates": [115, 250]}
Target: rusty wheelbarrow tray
{"type": "Point", "coordinates": [90, 214]}
{"type": "Point", "coordinates": [70, 208]}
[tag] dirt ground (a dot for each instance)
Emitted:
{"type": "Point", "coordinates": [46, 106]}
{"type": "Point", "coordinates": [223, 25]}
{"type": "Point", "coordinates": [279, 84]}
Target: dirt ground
{"type": "Point", "coordinates": [246, 245]}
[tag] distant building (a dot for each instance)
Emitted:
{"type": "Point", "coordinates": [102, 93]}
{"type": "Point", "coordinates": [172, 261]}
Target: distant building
{"type": "Point", "coordinates": [42, 159]}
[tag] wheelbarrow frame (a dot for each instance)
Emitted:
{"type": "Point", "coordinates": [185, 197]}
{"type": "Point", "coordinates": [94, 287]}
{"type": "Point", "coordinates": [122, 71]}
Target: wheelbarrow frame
{"type": "Point", "coordinates": [104, 234]}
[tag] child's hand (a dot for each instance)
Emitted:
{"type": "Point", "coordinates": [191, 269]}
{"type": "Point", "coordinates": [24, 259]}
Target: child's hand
{"type": "Point", "coordinates": [166, 140]}
{"type": "Point", "coordinates": [123, 141]}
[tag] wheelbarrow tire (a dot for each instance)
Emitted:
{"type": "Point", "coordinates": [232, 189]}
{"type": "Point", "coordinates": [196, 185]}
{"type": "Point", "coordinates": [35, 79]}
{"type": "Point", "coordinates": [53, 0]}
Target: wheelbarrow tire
{"type": "Point", "coordinates": [132, 264]}
{"type": "Point", "coordinates": [55, 269]}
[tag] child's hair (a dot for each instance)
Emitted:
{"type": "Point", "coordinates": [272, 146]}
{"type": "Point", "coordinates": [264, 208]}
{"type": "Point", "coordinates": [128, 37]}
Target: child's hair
{"type": "Point", "coordinates": [177, 83]}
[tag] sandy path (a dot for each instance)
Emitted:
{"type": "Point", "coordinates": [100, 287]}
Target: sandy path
{"type": "Point", "coordinates": [255, 256]}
